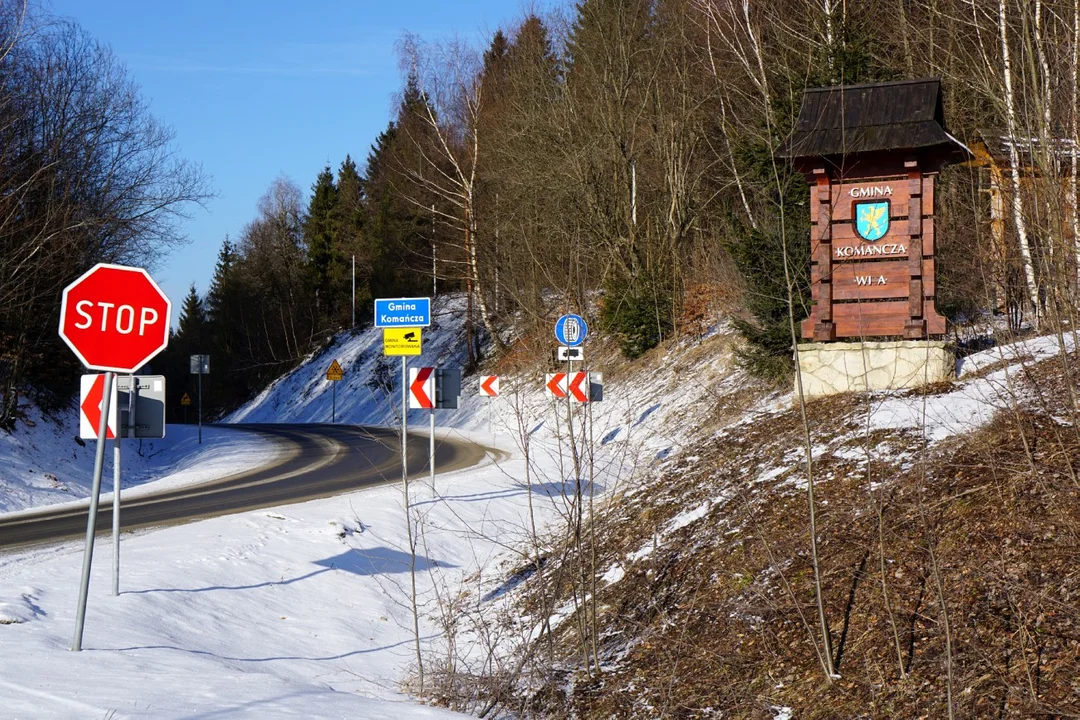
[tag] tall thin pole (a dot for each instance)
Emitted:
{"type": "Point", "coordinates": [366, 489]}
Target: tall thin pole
{"type": "Point", "coordinates": [431, 452]}
{"type": "Point", "coordinates": [132, 388]}
{"type": "Point", "coordinates": [633, 192]}
{"type": "Point", "coordinates": [116, 516]}
{"type": "Point", "coordinates": [333, 407]}
{"type": "Point", "coordinates": [408, 519]}
{"type": "Point", "coordinates": [353, 291]}
{"type": "Point", "coordinates": [200, 398]}
{"type": "Point", "coordinates": [91, 518]}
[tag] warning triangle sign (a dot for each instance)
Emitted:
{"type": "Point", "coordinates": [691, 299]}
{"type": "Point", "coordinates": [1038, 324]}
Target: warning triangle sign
{"type": "Point", "coordinates": [185, 399]}
{"type": "Point", "coordinates": [335, 372]}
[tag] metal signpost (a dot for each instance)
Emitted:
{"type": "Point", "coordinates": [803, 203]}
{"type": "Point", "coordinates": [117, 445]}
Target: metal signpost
{"type": "Point", "coordinates": [334, 374]}
{"type": "Point", "coordinates": [422, 397]}
{"type": "Point", "coordinates": [200, 365]}
{"type": "Point", "coordinates": [489, 388]}
{"type": "Point", "coordinates": [431, 388]}
{"type": "Point", "coordinates": [115, 319]}
{"type": "Point", "coordinates": [447, 391]}
{"type": "Point", "coordinates": [402, 319]}
{"type": "Point", "coordinates": [136, 410]}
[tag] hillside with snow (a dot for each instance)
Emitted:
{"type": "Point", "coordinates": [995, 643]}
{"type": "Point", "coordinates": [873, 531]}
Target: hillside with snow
{"type": "Point", "coordinates": [305, 609]}
{"type": "Point", "coordinates": [43, 461]}
{"type": "Point", "coordinates": [683, 445]}
{"type": "Point", "coordinates": [628, 557]}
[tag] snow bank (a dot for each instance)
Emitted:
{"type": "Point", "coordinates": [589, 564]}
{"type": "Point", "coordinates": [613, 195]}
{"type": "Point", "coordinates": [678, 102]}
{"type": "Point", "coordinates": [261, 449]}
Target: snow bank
{"type": "Point", "coordinates": [42, 463]}
{"type": "Point", "coordinates": [304, 609]}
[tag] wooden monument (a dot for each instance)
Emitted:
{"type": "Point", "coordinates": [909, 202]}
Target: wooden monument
{"type": "Point", "coordinates": [871, 154]}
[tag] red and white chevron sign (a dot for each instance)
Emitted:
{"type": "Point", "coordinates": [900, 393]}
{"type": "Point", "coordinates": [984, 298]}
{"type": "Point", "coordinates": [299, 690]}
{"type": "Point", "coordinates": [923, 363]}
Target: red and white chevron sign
{"type": "Point", "coordinates": [91, 394]}
{"type": "Point", "coordinates": [489, 386]}
{"type": "Point", "coordinates": [556, 384]}
{"type": "Point", "coordinates": [572, 385]}
{"type": "Point", "coordinates": [422, 388]}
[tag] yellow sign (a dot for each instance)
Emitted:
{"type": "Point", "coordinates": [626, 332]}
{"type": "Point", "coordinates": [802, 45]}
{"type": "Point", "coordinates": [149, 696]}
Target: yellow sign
{"type": "Point", "coordinates": [401, 341]}
{"type": "Point", "coordinates": [185, 399]}
{"type": "Point", "coordinates": [335, 372]}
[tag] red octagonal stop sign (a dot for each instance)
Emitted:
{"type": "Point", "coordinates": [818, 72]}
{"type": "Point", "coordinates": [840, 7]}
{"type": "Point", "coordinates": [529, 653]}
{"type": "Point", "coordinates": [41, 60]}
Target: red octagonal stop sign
{"type": "Point", "coordinates": [115, 318]}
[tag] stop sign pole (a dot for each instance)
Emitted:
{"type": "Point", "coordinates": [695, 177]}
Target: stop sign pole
{"type": "Point", "coordinates": [115, 319]}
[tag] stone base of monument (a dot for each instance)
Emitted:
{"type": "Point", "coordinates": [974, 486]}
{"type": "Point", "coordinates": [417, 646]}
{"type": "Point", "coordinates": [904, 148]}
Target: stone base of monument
{"type": "Point", "coordinates": [839, 367]}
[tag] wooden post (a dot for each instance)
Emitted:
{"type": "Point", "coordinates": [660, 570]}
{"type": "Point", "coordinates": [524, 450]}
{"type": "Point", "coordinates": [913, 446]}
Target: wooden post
{"type": "Point", "coordinates": [915, 329]}
{"type": "Point", "coordinates": [824, 330]}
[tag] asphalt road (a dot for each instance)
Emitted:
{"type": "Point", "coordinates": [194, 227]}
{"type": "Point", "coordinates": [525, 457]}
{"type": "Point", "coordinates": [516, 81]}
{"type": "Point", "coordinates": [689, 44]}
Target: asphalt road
{"type": "Point", "coordinates": [319, 461]}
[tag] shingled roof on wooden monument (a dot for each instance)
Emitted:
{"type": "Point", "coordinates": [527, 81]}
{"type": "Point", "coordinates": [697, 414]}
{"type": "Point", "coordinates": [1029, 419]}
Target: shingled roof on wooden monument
{"type": "Point", "coordinates": [890, 116]}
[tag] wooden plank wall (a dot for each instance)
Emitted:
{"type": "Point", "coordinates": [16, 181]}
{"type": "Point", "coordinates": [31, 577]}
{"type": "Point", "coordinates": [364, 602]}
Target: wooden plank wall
{"type": "Point", "coordinates": [895, 290]}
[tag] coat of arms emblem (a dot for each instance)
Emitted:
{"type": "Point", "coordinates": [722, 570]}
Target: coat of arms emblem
{"type": "Point", "coordinates": [872, 219]}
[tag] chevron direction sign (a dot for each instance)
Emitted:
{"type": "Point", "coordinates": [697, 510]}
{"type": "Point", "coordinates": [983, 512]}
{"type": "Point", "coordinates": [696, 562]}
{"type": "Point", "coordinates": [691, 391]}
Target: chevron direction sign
{"type": "Point", "coordinates": [580, 386]}
{"type": "Point", "coordinates": [92, 392]}
{"type": "Point", "coordinates": [422, 388]}
{"type": "Point", "coordinates": [149, 410]}
{"type": "Point", "coordinates": [489, 386]}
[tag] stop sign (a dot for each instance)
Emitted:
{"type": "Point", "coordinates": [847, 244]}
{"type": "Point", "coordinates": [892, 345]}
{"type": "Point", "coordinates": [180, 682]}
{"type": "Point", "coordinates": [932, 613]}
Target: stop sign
{"type": "Point", "coordinates": [115, 318]}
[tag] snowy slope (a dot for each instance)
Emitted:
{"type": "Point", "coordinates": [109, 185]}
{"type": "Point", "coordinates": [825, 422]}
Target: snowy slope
{"type": "Point", "coordinates": [304, 611]}
{"type": "Point", "coordinates": [41, 463]}
{"type": "Point", "coordinates": [658, 408]}
{"type": "Point", "coordinates": [295, 612]}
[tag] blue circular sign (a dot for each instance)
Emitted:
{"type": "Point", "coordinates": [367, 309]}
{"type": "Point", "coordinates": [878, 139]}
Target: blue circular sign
{"type": "Point", "coordinates": [570, 330]}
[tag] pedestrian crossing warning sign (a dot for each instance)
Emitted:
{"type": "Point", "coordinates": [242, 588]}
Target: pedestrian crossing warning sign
{"type": "Point", "coordinates": [335, 373]}
{"type": "Point", "coordinates": [401, 341]}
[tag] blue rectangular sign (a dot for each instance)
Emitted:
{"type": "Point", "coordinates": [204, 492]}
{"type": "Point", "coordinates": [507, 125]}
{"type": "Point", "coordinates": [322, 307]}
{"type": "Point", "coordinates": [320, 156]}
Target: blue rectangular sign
{"type": "Point", "coordinates": [403, 312]}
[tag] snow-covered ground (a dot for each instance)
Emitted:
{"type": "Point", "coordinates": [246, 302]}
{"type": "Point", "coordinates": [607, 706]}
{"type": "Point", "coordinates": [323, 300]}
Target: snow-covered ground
{"type": "Point", "coordinates": [295, 612]}
{"type": "Point", "coordinates": [304, 610]}
{"type": "Point", "coordinates": [41, 462]}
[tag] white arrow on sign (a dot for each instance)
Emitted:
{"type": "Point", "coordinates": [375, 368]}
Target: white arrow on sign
{"type": "Point", "coordinates": [91, 393]}
{"type": "Point", "coordinates": [556, 384]}
{"type": "Point", "coordinates": [489, 386]}
{"type": "Point", "coordinates": [574, 387]}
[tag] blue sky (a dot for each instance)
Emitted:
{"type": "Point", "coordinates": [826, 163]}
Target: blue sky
{"type": "Point", "coordinates": [255, 90]}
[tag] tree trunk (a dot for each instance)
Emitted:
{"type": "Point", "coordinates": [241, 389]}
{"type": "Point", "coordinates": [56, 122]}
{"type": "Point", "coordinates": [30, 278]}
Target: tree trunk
{"type": "Point", "coordinates": [1015, 168]}
{"type": "Point", "coordinates": [1074, 220]}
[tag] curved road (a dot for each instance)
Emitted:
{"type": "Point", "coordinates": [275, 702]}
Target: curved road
{"type": "Point", "coordinates": [319, 461]}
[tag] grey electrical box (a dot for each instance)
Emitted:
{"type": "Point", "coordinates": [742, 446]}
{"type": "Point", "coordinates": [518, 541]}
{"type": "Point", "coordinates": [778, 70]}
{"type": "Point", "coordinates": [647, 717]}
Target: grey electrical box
{"type": "Point", "coordinates": [447, 388]}
{"type": "Point", "coordinates": [149, 392]}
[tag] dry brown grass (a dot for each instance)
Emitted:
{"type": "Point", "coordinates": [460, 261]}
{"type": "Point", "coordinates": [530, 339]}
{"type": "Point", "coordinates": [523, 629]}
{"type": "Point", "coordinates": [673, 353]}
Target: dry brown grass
{"type": "Point", "coordinates": [715, 620]}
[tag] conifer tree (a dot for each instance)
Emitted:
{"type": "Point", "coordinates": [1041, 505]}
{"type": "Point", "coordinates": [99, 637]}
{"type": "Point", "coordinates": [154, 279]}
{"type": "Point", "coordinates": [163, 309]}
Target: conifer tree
{"type": "Point", "coordinates": [191, 330]}
{"type": "Point", "coordinates": [399, 221]}
{"type": "Point", "coordinates": [350, 240]}
{"type": "Point", "coordinates": [319, 230]}
{"type": "Point", "coordinates": [222, 285]}
{"type": "Point", "coordinates": [224, 307]}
